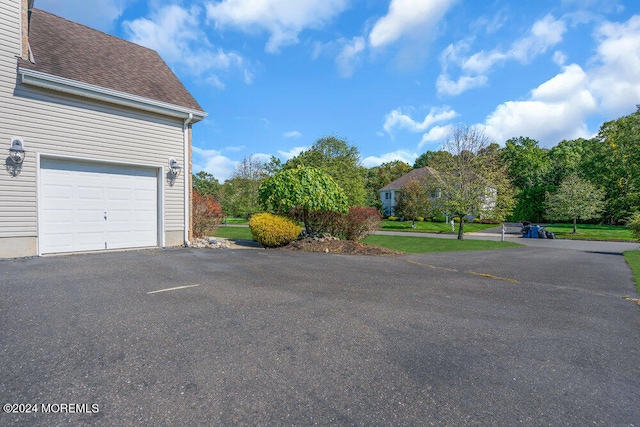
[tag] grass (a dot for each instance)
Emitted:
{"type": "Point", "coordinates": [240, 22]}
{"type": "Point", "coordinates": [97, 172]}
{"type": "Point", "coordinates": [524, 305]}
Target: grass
{"type": "Point", "coordinates": [232, 220]}
{"type": "Point", "coordinates": [415, 245]}
{"type": "Point", "coordinates": [407, 244]}
{"type": "Point", "coordinates": [633, 259]}
{"type": "Point", "coordinates": [433, 227]}
{"type": "Point", "coordinates": [234, 233]}
{"type": "Point", "coordinates": [591, 232]}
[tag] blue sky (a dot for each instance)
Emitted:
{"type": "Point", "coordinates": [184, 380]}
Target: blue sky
{"type": "Point", "coordinates": [389, 76]}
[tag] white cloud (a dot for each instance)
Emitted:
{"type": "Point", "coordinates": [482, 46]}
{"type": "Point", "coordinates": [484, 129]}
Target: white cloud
{"type": "Point", "coordinates": [543, 35]}
{"type": "Point", "coordinates": [448, 87]}
{"type": "Point", "coordinates": [436, 134]}
{"type": "Point", "coordinates": [212, 161]}
{"type": "Point", "coordinates": [402, 155]}
{"type": "Point", "coordinates": [349, 57]}
{"type": "Point", "coordinates": [292, 134]}
{"type": "Point", "coordinates": [396, 119]}
{"type": "Point", "coordinates": [283, 19]}
{"type": "Point", "coordinates": [407, 18]}
{"type": "Point", "coordinates": [616, 78]}
{"type": "Point", "coordinates": [559, 58]}
{"type": "Point", "coordinates": [292, 153]}
{"type": "Point", "coordinates": [556, 110]}
{"type": "Point", "coordinates": [101, 15]}
{"type": "Point", "coordinates": [174, 32]}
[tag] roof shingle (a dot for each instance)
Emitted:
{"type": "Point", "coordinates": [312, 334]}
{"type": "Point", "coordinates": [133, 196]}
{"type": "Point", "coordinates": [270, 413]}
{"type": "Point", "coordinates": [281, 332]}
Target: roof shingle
{"type": "Point", "coordinates": [67, 49]}
{"type": "Point", "coordinates": [421, 175]}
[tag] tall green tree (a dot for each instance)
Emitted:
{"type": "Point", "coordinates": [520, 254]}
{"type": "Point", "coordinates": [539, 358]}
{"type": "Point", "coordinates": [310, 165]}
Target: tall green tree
{"type": "Point", "coordinates": [529, 168]}
{"type": "Point", "coordinates": [575, 199]}
{"type": "Point", "coordinates": [338, 159]}
{"type": "Point", "coordinates": [206, 185]}
{"type": "Point", "coordinates": [377, 177]}
{"type": "Point", "coordinates": [619, 171]}
{"type": "Point", "coordinates": [431, 158]}
{"type": "Point", "coordinates": [240, 192]}
{"type": "Point", "coordinates": [304, 188]}
{"type": "Point", "coordinates": [470, 183]}
{"type": "Point", "coordinates": [413, 201]}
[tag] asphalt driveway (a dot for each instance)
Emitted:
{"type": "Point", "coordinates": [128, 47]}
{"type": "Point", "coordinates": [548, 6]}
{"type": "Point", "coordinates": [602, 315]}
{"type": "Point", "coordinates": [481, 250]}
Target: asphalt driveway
{"type": "Point", "coordinates": [533, 336]}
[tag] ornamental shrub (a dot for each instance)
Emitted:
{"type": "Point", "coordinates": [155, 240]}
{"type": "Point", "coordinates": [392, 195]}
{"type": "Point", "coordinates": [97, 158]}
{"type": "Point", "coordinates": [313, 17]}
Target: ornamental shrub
{"type": "Point", "coordinates": [392, 218]}
{"type": "Point", "coordinates": [420, 219]}
{"type": "Point", "coordinates": [207, 214]}
{"type": "Point", "coordinates": [359, 222]}
{"type": "Point", "coordinates": [272, 230]}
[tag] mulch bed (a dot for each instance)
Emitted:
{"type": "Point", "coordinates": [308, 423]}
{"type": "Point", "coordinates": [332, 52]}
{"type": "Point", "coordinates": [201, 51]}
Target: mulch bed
{"type": "Point", "coordinates": [347, 247]}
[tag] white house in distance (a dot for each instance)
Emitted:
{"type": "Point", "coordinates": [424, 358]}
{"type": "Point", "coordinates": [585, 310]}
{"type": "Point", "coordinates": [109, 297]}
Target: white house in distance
{"type": "Point", "coordinates": [97, 136]}
{"type": "Point", "coordinates": [391, 191]}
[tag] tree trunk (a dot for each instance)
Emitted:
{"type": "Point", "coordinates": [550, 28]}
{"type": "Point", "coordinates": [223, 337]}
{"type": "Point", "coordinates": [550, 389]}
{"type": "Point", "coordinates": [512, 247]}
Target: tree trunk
{"type": "Point", "coordinates": [305, 219]}
{"type": "Point", "coordinates": [574, 226]}
{"type": "Point", "coordinates": [461, 228]}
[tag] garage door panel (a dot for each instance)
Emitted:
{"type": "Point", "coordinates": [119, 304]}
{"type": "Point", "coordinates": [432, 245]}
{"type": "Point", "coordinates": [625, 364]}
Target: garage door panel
{"type": "Point", "coordinates": [77, 196]}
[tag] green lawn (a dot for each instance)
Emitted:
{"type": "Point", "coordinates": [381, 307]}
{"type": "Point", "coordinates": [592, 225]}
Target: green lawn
{"type": "Point", "coordinates": [234, 233]}
{"type": "Point", "coordinates": [414, 245]}
{"type": "Point", "coordinates": [633, 259]}
{"type": "Point", "coordinates": [407, 244]}
{"type": "Point", "coordinates": [433, 227]}
{"type": "Point", "coordinates": [232, 220]}
{"type": "Point", "coordinates": [591, 232]}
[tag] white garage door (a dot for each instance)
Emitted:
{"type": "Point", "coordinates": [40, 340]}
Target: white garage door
{"type": "Point", "coordinates": [89, 206]}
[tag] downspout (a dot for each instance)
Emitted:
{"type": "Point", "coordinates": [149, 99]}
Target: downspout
{"type": "Point", "coordinates": [187, 170]}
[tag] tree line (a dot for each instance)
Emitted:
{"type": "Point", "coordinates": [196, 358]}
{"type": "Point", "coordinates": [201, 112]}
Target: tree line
{"type": "Point", "coordinates": [594, 179]}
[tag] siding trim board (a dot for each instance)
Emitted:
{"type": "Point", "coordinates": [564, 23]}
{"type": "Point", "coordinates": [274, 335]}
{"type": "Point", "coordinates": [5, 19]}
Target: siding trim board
{"type": "Point", "coordinates": [85, 90]}
{"type": "Point", "coordinates": [160, 199]}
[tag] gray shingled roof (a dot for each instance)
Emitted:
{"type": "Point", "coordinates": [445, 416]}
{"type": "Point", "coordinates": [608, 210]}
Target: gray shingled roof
{"type": "Point", "coordinates": [67, 49]}
{"type": "Point", "coordinates": [421, 175]}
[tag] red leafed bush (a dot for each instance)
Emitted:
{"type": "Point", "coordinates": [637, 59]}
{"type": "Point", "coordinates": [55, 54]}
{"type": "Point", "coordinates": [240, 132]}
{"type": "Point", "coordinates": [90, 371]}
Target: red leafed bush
{"type": "Point", "coordinates": [207, 214]}
{"type": "Point", "coordinates": [360, 222]}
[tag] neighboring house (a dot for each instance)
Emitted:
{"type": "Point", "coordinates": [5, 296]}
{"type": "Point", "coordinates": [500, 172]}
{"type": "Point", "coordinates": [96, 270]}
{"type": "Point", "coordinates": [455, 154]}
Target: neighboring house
{"type": "Point", "coordinates": [100, 120]}
{"type": "Point", "coordinates": [390, 192]}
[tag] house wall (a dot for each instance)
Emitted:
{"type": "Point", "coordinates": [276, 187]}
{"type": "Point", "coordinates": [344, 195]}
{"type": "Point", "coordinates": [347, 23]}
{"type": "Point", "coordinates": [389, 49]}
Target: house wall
{"type": "Point", "coordinates": [388, 203]}
{"type": "Point", "coordinates": [54, 123]}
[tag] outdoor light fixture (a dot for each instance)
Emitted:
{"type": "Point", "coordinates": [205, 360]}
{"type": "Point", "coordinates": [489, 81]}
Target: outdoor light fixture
{"type": "Point", "coordinates": [16, 152]}
{"type": "Point", "coordinates": [174, 167]}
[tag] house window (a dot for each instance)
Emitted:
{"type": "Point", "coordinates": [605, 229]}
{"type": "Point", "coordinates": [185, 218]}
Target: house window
{"type": "Point", "coordinates": [387, 195]}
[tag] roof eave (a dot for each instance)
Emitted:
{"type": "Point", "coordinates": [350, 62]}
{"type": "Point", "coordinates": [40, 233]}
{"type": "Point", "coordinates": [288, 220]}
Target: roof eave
{"type": "Point", "coordinates": [86, 90]}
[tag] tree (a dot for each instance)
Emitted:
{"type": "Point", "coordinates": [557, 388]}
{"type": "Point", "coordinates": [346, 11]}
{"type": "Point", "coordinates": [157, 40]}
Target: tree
{"type": "Point", "coordinates": [206, 185]}
{"type": "Point", "coordinates": [575, 198]}
{"type": "Point", "coordinates": [304, 188]}
{"type": "Point", "coordinates": [529, 168]}
{"type": "Point", "coordinates": [240, 192]}
{"type": "Point", "coordinates": [618, 162]}
{"type": "Point", "coordinates": [378, 176]}
{"type": "Point", "coordinates": [470, 183]}
{"type": "Point", "coordinates": [413, 201]}
{"type": "Point", "coordinates": [634, 225]}
{"type": "Point", "coordinates": [431, 158]}
{"type": "Point", "coordinates": [338, 159]}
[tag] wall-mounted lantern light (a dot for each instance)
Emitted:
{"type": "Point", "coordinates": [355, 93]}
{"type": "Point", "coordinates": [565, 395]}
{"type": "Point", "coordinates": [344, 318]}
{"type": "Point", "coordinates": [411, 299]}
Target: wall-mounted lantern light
{"type": "Point", "coordinates": [16, 152]}
{"type": "Point", "coordinates": [174, 167]}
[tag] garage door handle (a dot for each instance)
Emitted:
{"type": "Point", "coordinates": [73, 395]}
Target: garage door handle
{"type": "Point", "coordinates": [105, 216]}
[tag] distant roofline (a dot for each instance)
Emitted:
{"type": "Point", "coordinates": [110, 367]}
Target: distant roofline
{"type": "Point", "coordinates": [86, 90]}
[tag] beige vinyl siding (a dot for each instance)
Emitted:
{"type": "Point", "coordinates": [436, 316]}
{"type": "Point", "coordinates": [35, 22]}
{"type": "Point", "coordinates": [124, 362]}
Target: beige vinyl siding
{"type": "Point", "coordinates": [9, 30]}
{"type": "Point", "coordinates": [59, 124]}
{"type": "Point", "coordinates": [55, 124]}
{"type": "Point", "coordinates": [65, 126]}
